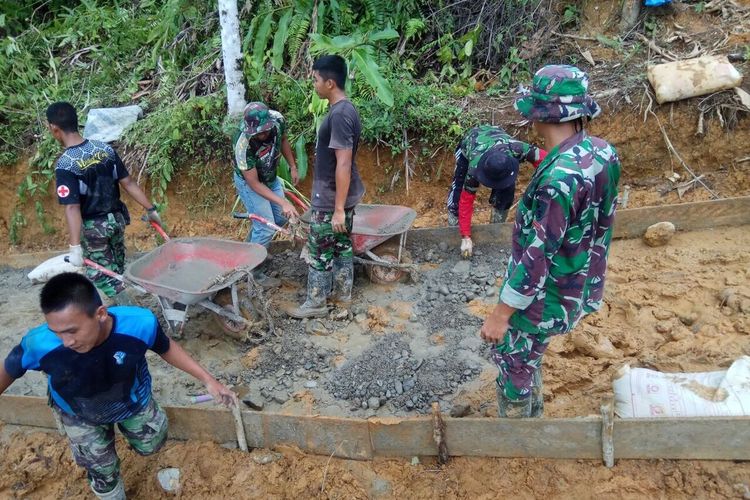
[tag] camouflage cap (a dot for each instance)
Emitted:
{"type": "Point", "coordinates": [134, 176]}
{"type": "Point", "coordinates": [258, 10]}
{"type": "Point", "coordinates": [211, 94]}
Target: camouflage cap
{"type": "Point", "coordinates": [559, 94]}
{"type": "Point", "coordinates": [257, 118]}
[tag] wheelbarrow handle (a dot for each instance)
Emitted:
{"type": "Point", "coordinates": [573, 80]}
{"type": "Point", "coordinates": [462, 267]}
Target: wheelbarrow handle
{"type": "Point", "coordinates": [262, 220]}
{"type": "Point", "coordinates": [157, 227]}
{"type": "Point", "coordinates": [304, 206]}
{"type": "Point", "coordinates": [119, 277]}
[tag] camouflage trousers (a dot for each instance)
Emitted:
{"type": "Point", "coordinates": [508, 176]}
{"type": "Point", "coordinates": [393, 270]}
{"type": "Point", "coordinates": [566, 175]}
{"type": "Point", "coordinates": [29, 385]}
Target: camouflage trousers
{"type": "Point", "coordinates": [103, 241]}
{"type": "Point", "coordinates": [323, 244]}
{"type": "Point", "coordinates": [517, 357]}
{"type": "Point", "coordinates": [93, 446]}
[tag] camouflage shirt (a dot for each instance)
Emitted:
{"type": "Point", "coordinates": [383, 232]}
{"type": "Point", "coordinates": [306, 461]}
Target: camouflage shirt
{"type": "Point", "coordinates": [481, 139]}
{"type": "Point", "coordinates": [561, 237]}
{"type": "Point", "coordinates": [250, 152]}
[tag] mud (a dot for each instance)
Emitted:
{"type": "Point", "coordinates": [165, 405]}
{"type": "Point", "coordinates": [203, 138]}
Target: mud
{"type": "Point", "coordinates": [39, 466]}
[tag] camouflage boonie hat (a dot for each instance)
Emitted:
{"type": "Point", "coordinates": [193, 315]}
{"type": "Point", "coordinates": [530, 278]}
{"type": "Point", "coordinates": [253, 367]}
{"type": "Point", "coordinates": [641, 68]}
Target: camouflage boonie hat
{"type": "Point", "coordinates": [257, 118]}
{"type": "Point", "coordinates": [559, 94]}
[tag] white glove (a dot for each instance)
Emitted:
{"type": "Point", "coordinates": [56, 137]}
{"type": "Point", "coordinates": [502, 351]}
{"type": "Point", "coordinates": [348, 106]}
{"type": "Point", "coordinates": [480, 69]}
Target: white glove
{"type": "Point", "coordinates": [75, 257]}
{"type": "Point", "coordinates": [467, 247]}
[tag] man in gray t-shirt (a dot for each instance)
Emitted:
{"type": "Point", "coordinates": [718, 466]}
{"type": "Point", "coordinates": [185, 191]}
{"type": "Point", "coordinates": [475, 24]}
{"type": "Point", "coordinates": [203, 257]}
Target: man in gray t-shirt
{"type": "Point", "coordinates": [337, 188]}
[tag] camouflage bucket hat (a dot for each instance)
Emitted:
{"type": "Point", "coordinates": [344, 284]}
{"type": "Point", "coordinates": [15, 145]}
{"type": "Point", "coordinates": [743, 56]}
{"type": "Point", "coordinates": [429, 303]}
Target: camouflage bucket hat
{"type": "Point", "coordinates": [559, 94]}
{"type": "Point", "coordinates": [257, 118]}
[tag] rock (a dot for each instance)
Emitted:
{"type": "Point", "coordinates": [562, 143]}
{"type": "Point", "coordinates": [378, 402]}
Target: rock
{"type": "Point", "coordinates": [253, 402]}
{"type": "Point", "coordinates": [443, 246]}
{"type": "Point", "coordinates": [399, 387]}
{"type": "Point", "coordinates": [280, 398]}
{"type": "Point", "coordinates": [108, 124]}
{"type": "Point", "coordinates": [316, 327]}
{"type": "Point", "coordinates": [169, 479]}
{"type": "Point", "coordinates": [444, 290]}
{"type": "Point", "coordinates": [460, 410]}
{"type": "Point", "coordinates": [462, 267]}
{"type": "Point", "coordinates": [659, 234]}
{"type": "Point", "coordinates": [266, 457]}
{"type": "Point", "coordinates": [663, 327]}
{"type": "Point", "coordinates": [311, 384]}
{"type": "Point", "coordinates": [490, 292]}
{"type": "Point", "coordinates": [688, 319]}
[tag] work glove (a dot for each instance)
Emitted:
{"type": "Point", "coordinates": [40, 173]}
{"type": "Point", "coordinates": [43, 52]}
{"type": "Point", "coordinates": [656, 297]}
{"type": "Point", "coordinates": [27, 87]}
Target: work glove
{"type": "Point", "coordinates": [75, 257]}
{"type": "Point", "coordinates": [153, 215]}
{"type": "Point", "coordinates": [467, 247]}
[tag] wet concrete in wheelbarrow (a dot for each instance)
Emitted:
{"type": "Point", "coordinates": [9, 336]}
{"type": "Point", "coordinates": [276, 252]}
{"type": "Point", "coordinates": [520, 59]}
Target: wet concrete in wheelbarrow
{"type": "Point", "coordinates": [401, 347]}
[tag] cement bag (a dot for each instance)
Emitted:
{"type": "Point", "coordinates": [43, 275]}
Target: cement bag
{"type": "Point", "coordinates": [682, 79]}
{"type": "Point", "coordinates": [52, 267]}
{"type": "Point", "coordinates": [642, 393]}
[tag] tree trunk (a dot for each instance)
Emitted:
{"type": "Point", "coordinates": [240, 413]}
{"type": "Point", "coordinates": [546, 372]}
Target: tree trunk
{"type": "Point", "coordinates": [231, 49]}
{"type": "Point", "coordinates": [629, 16]}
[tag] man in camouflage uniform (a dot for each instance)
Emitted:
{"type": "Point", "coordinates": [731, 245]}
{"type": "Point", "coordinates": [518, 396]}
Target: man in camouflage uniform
{"type": "Point", "coordinates": [89, 175]}
{"type": "Point", "coordinates": [336, 190]}
{"type": "Point", "coordinates": [98, 377]}
{"type": "Point", "coordinates": [561, 238]}
{"type": "Point", "coordinates": [490, 157]}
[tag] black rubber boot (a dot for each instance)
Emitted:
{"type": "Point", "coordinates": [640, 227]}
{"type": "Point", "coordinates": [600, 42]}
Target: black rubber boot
{"type": "Point", "coordinates": [343, 278]}
{"type": "Point", "coordinates": [537, 397]}
{"type": "Point", "coordinates": [510, 408]}
{"type": "Point", "coordinates": [318, 288]}
{"type": "Point", "coordinates": [497, 216]}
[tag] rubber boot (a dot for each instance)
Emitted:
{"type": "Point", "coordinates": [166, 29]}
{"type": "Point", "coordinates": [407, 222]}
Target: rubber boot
{"type": "Point", "coordinates": [537, 397]}
{"type": "Point", "coordinates": [343, 278]}
{"type": "Point", "coordinates": [452, 219]}
{"type": "Point", "coordinates": [510, 408]}
{"type": "Point", "coordinates": [118, 493]}
{"type": "Point", "coordinates": [318, 288]}
{"type": "Point", "coordinates": [498, 216]}
{"type": "Point", "coordinates": [264, 280]}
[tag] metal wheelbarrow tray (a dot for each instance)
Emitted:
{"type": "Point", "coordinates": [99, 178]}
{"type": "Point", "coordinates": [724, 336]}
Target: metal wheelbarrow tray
{"type": "Point", "coordinates": [373, 226]}
{"type": "Point", "coordinates": [188, 271]}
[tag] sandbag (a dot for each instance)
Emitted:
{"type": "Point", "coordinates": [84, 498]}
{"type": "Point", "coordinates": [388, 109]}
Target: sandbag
{"type": "Point", "coordinates": [643, 393]}
{"type": "Point", "coordinates": [52, 267]}
{"type": "Point", "coordinates": [700, 76]}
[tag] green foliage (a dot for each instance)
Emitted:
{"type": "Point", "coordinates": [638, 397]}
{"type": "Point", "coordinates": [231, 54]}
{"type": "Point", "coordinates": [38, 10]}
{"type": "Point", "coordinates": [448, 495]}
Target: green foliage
{"type": "Point", "coordinates": [182, 134]}
{"type": "Point", "coordinates": [571, 16]}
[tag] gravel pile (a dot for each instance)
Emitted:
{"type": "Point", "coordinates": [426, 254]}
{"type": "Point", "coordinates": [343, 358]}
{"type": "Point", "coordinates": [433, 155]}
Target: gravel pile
{"type": "Point", "coordinates": [389, 373]}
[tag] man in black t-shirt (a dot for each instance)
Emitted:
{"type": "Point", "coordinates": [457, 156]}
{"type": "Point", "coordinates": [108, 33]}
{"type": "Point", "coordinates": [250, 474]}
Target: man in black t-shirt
{"type": "Point", "coordinates": [88, 176]}
{"type": "Point", "coordinates": [336, 190]}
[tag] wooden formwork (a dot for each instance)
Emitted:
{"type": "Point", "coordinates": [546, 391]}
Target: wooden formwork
{"type": "Point", "coordinates": [716, 438]}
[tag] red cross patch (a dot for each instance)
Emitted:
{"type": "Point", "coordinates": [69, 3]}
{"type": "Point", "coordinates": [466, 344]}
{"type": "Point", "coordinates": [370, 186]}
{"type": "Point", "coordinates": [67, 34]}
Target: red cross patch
{"type": "Point", "coordinates": [63, 191]}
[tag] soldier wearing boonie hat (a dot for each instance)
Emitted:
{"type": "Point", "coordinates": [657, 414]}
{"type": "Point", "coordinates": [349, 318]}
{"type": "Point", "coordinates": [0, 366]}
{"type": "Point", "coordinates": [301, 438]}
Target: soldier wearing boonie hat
{"type": "Point", "coordinates": [561, 237]}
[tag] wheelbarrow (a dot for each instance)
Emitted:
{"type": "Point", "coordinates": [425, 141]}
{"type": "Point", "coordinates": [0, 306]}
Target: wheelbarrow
{"type": "Point", "coordinates": [206, 272]}
{"type": "Point", "coordinates": [375, 228]}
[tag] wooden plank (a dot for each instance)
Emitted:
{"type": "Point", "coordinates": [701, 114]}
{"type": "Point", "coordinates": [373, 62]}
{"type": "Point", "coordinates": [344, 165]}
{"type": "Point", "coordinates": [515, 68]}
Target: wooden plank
{"type": "Point", "coordinates": [715, 438]}
{"type": "Point", "coordinates": [395, 437]}
{"type": "Point", "coordinates": [528, 438]}
{"type": "Point", "coordinates": [26, 410]}
{"type": "Point", "coordinates": [631, 223]}
{"type": "Point", "coordinates": [341, 437]}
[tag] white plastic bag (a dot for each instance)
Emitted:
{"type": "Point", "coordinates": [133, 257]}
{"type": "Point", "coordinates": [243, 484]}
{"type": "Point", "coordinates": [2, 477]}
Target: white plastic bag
{"type": "Point", "coordinates": [643, 393]}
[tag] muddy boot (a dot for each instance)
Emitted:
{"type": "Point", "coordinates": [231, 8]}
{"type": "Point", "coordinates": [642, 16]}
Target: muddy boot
{"type": "Point", "coordinates": [264, 280]}
{"type": "Point", "coordinates": [537, 397]}
{"type": "Point", "coordinates": [118, 493]}
{"type": "Point", "coordinates": [318, 288]}
{"type": "Point", "coordinates": [343, 277]}
{"type": "Point", "coordinates": [452, 219]}
{"type": "Point", "coordinates": [498, 216]}
{"type": "Point", "coordinates": [510, 408]}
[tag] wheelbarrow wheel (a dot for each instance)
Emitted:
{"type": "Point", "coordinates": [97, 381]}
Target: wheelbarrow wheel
{"type": "Point", "coordinates": [386, 275]}
{"type": "Point", "coordinates": [235, 329]}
